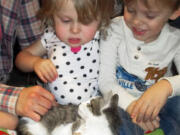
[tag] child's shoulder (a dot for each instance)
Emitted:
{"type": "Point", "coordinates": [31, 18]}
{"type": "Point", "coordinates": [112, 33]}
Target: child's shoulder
{"type": "Point", "coordinates": [172, 31]}
{"type": "Point", "coordinates": [117, 25]}
{"type": "Point", "coordinates": [117, 21]}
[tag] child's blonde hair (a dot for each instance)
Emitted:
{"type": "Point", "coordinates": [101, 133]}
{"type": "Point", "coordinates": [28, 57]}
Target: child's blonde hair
{"type": "Point", "coordinates": [87, 10]}
{"type": "Point", "coordinates": [172, 4]}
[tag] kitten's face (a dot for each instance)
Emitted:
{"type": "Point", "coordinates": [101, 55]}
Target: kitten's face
{"type": "Point", "coordinates": [94, 117]}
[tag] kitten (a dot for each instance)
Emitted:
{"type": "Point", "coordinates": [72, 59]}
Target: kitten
{"type": "Point", "coordinates": [94, 117]}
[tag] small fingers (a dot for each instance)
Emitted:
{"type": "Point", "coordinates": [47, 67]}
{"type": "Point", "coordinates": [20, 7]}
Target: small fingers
{"type": "Point", "coordinates": [155, 114]}
{"type": "Point", "coordinates": [46, 70]}
{"type": "Point", "coordinates": [48, 74]}
{"type": "Point", "coordinates": [148, 114]}
{"type": "Point", "coordinates": [142, 112]}
{"type": "Point", "coordinates": [141, 124]}
{"type": "Point", "coordinates": [135, 109]}
{"type": "Point", "coordinates": [41, 76]}
{"type": "Point", "coordinates": [156, 123]}
{"type": "Point", "coordinates": [148, 126]}
{"type": "Point", "coordinates": [51, 71]}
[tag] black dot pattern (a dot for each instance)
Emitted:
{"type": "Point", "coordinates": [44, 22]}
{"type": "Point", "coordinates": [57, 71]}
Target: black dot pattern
{"type": "Point", "coordinates": [77, 72]}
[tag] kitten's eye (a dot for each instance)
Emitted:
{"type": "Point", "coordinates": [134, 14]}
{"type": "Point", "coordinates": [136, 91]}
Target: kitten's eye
{"type": "Point", "coordinates": [89, 107]}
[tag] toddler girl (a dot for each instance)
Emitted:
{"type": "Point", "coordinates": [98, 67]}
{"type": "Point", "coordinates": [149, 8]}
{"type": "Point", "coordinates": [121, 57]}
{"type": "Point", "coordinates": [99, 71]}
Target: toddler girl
{"type": "Point", "coordinates": [71, 41]}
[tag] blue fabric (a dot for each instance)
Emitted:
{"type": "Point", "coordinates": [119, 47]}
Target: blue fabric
{"type": "Point", "coordinates": [128, 127]}
{"type": "Point", "coordinates": [170, 117]}
{"type": "Point", "coordinates": [169, 120]}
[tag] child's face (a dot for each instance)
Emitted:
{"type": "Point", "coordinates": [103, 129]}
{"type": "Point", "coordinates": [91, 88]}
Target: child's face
{"type": "Point", "coordinates": [145, 24]}
{"type": "Point", "coordinates": [70, 30]}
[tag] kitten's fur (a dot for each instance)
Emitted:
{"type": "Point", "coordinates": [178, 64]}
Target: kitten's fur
{"type": "Point", "coordinates": [94, 117]}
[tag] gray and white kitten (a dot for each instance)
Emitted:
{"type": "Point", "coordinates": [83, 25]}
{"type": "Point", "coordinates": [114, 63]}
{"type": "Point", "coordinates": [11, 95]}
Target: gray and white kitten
{"type": "Point", "coordinates": [94, 117]}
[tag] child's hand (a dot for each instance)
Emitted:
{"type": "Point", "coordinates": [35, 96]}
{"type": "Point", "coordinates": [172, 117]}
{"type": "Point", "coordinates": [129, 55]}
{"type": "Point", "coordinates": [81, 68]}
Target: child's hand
{"type": "Point", "coordinates": [148, 125]}
{"type": "Point", "coordinates": [148, 106]}
{"type": "Point", "coordinates": [45, 70]}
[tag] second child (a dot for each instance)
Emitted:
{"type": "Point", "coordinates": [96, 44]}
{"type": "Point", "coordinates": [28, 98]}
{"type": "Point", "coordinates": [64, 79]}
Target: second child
{"type": "Point", "coordinates": [136, 59]}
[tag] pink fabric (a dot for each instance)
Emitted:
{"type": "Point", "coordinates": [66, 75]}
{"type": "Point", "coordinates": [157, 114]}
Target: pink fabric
{"type": "Point", "coordinates": [75, 49]}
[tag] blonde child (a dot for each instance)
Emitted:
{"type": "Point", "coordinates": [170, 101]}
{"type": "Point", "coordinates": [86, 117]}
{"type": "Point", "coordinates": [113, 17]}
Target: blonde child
{"type": "Point", "coordinates": [71, 41]}
{"type": "Point", "coordinates": [135, 63]}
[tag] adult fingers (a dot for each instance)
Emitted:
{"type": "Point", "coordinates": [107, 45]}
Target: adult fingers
{"type": "Point", "coordinates": [33, 115]}
{"type": "Point", "coordinates": [44, 102]}
{"type": "Point", "coordinates": [46, 94]}
{"type": "Point", "coordinates": [29, 96]}
{"type": "Point", "coordinates": [38, 109]}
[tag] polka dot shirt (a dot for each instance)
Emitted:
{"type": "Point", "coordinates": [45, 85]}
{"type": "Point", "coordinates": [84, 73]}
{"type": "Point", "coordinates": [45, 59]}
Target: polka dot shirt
{"type": "Point", "coordinates": [77, 71]}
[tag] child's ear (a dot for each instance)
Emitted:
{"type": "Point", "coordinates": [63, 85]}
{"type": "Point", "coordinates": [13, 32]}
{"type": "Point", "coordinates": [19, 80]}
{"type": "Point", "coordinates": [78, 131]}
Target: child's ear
{"type": "Point", "coordinates": [175, 15]}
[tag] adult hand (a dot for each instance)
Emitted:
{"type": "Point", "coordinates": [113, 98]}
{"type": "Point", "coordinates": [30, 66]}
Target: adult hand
{"type": "Point", "coordinates": [34, 102]}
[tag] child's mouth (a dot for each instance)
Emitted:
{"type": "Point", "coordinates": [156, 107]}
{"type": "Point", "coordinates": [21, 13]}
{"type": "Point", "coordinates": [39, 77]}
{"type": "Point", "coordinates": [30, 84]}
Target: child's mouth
{"type": "Point", "coordinates": [74, 40]}
{"type": "Point", "coordinates": [138, 32]}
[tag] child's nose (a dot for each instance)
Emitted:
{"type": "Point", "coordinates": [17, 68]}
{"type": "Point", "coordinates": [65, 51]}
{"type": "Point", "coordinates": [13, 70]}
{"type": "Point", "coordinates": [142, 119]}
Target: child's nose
{"type": "Point", "coordinates": [75, 28]}
{"type": "Point", "coordinates": [137, 21]}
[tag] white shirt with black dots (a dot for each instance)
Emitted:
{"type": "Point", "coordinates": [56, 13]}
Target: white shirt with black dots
{"type": "Point", "coordinates": [77, 72]}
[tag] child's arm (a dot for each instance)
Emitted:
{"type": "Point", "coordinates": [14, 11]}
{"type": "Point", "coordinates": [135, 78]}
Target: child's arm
{"type": "Point", "coordinates": [29, 60]}
{"type": "Point", "coordinates": [8, 121]}
{"type": "Point", "coordinates": [148, 106]}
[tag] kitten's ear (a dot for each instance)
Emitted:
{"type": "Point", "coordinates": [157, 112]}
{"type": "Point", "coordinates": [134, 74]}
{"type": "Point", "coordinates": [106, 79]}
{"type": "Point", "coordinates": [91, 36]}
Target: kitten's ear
{"type": "Point", "coordinates": [114, 100]}
{"type": "Point", "coordinates": [96, 105]}
{"type": "Point", "coordinates": [112, 114]}
{"type": "Point", "coordinates": [107, 97]}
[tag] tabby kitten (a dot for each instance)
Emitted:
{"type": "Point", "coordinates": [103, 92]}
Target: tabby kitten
{"type": "Point", "coordinates": [94, 117]}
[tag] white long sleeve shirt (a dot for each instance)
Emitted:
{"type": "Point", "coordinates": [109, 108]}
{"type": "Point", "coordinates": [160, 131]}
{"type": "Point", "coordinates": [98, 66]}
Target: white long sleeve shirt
{"type": "Point", "coordinates": [129, 66]}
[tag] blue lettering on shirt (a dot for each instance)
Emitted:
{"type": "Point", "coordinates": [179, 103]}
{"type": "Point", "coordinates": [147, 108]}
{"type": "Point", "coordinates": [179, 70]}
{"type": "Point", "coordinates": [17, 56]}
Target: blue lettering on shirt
{"type": "Point", "coordinates": [130, 81]}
